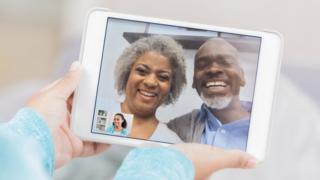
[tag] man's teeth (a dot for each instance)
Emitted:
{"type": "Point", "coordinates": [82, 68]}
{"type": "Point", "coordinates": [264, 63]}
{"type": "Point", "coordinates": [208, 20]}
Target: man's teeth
{"type": "Point", "coordinates": [216, 84]}
{"type": "Point", "coordinates": [149, 94]}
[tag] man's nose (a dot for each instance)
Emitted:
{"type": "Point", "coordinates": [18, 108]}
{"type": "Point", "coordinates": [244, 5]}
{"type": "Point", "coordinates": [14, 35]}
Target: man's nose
{"type": "Point", "coordinates": [214, 69]}
{"type": "Point", "coordinates": [150, 81]}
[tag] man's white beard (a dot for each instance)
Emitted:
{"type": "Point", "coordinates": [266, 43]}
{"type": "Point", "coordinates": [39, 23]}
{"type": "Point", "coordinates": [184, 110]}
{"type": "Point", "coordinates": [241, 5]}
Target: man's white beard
{"type": "Point", "coordinates": [217, 102]}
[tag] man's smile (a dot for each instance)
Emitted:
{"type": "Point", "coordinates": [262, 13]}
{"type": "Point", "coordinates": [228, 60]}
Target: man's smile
{"type": "Point", "coordinates": [215, 84]}
{"type": "Point", "coordinates": [215, 87]}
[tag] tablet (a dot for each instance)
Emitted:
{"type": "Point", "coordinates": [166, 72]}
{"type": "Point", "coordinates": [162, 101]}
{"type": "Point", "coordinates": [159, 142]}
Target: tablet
{"type": "Point", "coordinates": [157, 81]}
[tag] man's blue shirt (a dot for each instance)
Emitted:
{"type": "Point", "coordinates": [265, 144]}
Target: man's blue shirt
{"type": "Point", "coordinates": [233, 135]}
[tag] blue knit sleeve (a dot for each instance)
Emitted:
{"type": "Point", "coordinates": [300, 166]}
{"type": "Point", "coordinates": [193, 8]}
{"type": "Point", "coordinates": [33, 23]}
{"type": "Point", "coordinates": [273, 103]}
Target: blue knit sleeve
{"type": "Point", "coordinates": [28, 146]}
{"type": "Point", "coordinates": [156, 163]}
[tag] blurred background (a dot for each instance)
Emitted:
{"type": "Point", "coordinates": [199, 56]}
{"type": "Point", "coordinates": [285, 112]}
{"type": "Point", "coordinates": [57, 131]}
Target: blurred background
{"type": "Point", "coordinates": [40, 38]}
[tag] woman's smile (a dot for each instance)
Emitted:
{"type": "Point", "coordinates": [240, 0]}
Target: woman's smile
{"type": "Point", "coordinates": [147, 94]}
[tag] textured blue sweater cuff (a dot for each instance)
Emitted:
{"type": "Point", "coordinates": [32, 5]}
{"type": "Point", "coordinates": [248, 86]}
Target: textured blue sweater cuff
{"type": "Point", "coordinates": [156, 163]}
{"type": "Point", "coordinates": [29, 123]}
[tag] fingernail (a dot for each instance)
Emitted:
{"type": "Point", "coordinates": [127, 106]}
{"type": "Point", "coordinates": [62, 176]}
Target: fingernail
{"type": "Point", "coordinates": [75, 65]}
{"type": "Point", "coordinates": [251, 163]}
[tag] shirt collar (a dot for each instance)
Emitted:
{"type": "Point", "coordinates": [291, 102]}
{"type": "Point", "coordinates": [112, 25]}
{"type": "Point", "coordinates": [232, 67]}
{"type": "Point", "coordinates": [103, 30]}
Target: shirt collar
{"type": "Point", "coordinates": [213, 123]}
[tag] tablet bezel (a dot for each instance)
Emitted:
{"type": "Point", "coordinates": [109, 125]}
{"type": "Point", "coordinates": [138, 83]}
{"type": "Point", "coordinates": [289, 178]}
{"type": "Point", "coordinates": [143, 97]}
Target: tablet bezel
{"type": "Point", "coordinates": [91, 55]}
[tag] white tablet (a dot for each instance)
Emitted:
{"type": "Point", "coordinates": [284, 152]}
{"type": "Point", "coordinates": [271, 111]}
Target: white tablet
{"type": "Point", "coordinates": [149, 80]}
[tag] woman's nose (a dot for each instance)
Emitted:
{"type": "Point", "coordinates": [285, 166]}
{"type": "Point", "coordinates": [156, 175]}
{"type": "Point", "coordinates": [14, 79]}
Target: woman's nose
{"type": "Point", "coordinates": [151, 81]}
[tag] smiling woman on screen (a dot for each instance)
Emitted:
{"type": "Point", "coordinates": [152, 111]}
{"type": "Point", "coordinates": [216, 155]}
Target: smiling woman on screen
{"type": "Point", "coordinates": [150, 73]}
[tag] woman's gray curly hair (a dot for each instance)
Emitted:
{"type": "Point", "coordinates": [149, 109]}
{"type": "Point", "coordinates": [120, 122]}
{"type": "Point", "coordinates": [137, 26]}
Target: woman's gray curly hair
{"type": "Point", "coordinates": [163, 45]}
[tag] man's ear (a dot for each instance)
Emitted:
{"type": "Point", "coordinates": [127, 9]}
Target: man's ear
{"type": "Point", "coordinates": [242, 79]}
{"type": "Point", "coordinates": [243, 82]}
{"type": "Point", "coordinates": [194, 85]}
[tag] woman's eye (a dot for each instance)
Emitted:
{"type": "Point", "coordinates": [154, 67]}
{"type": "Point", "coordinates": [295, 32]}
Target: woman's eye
{"type": "Point", "coordinates": [164, 77]}
{"type": "Point", "coordinates": [141, 71]}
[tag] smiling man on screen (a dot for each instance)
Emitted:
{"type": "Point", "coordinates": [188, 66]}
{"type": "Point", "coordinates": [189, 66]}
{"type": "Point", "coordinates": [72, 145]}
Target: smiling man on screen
{"type": "Point", "coordinates": [223, 120]}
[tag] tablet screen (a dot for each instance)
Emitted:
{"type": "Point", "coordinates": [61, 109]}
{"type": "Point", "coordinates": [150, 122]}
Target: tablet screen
{"type": "Point", "coordinates": [171, 84]}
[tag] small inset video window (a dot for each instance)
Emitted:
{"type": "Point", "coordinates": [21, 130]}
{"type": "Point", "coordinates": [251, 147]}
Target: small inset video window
{"type": "Point", "coordinates": [120, 124]}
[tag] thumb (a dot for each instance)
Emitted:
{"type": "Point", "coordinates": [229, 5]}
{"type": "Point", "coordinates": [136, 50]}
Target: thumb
{"type": "Point", "coordinates": [66, 86]}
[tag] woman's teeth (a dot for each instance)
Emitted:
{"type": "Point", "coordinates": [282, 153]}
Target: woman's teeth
{"type": "Point", "coordinates": [148, 94]}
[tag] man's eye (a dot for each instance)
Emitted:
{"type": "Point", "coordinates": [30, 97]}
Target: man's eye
{"type": "Point", "coordinates": [224, 61]}
{"type": "Point", "coordinates": [201, 65]}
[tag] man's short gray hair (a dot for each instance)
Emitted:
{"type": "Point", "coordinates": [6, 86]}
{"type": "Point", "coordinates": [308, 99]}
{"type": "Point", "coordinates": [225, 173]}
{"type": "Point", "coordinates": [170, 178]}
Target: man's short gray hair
{"type": "Point", "coordinates": [163, 45]}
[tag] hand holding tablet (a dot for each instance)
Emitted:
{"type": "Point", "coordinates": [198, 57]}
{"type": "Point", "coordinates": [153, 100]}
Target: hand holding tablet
{"type": "Point", "coordinates": [161, 81]}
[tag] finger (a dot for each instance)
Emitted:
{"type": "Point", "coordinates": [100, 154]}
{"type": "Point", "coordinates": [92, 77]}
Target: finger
{"type": "Point", "coordinates": [43, 89]}
{"type": "Point", "coordinates": [235, 159]}
{"type": "Point", "coordinates": [66, 86]}
{"type": "Point", "coordinates": [101, 147]}
{"type": "Point", "coordinates": [50, 85]}
{"type": "Point", "coordinates": [93, 148]}
{"type": "Point", "coordinates": [69, 103]}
